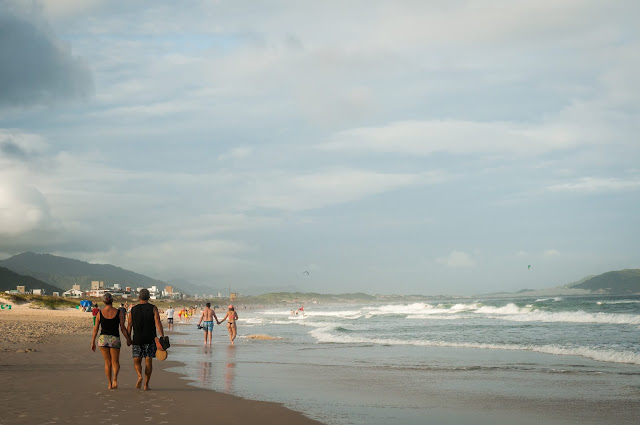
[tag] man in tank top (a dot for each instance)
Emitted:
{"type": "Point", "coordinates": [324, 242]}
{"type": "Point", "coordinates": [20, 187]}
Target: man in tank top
{"type": "Point", "coordinates": [144, 319]}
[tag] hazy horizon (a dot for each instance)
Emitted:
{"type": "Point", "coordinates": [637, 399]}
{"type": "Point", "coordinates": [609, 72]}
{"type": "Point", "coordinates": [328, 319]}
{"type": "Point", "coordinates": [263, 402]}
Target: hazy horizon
{"type": "Point", "coordinates": [430, 147]}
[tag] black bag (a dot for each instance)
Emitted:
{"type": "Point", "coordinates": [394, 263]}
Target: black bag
{"type": "Point", "coordinates": [164, 341]}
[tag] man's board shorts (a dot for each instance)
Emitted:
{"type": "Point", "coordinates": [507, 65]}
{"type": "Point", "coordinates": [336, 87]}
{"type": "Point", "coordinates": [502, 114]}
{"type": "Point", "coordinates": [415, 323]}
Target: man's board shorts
{"type": "Point", "coordinates": [144, 350]}
{"type": "Point", "coordinates": [169, 319]}
{"type": "Point", "coordinates": [208, 325]}
{"type": "Point", "coordinates": [109, 341]}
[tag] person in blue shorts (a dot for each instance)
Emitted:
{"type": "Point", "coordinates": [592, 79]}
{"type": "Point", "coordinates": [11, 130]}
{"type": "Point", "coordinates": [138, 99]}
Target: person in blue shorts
{"type": "Point", "coordinates": [207, 317]}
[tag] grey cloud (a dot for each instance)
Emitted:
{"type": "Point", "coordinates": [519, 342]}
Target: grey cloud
{"type": "Point", "coordinates": [36, 68]}
{"type": "Point", "coordinates": [9, 148]}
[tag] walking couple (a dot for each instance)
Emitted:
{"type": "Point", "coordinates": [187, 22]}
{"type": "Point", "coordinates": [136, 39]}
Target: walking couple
{"type": "Point", "coordinates": [144, 319]}
{"type": "Point", "coordinates": [207, 317]}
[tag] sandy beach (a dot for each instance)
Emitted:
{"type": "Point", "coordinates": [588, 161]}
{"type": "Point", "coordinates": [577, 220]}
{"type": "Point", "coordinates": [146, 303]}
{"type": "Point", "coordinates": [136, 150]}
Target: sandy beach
{"type": "Point", "coordinates": [56, 378]}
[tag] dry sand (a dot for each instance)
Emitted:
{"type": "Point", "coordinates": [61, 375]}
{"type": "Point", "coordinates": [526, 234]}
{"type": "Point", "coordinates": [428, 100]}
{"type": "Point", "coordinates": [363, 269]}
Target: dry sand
{"type": "Point", "coordinates": [63, 381]}
{"type": "Point", "coordinates": [22, 326]}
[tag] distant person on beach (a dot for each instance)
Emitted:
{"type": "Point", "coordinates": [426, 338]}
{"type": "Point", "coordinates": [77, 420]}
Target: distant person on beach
{"type": "Point", "coordinates": [144, 319]}
{"type": "Point", "coordinates": [123, 309]}
{"type": "Point", "coordinates": [170, 312]}
{"type": "Point", "coordinates": [231, 317]}
{"type": "Point", "coordinates": [94, 311]}
{"type": "Point", "coordinates": [110, 320]}
{"type": "Point", "coordinates": [207, 316]}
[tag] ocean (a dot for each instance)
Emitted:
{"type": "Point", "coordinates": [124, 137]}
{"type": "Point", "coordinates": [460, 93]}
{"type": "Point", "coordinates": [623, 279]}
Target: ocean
{"type": "Point", "coordinates": [471, 361]}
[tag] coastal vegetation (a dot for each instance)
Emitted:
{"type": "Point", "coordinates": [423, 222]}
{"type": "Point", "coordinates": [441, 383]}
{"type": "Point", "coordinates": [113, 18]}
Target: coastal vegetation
{"type": "Point", "coordinates": [622, 282]}
{"type": "Point", "coordinates": [48, 302]}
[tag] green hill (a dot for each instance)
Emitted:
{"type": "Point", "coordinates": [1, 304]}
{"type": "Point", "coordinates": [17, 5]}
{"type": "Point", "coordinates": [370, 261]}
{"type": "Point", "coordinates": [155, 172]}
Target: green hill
{"type": "Point", "coordinates": [9, 280]}
{"type": "Point", "coordinates": [65, 272]}
{"type": "Point", "coordinates": [620, 282]}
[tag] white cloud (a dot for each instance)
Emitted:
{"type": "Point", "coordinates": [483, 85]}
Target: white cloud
{"type": "Point", "coordinates": [22, 209]}
{"type": "Point", "coordinates": [236, 153]}
{"type": "Point", "coordinates": [63, 9]}
{"type": "Point", "coordinates": [300, 192]}
{"type": "Point", "coordinates": [457, 259]}
{"type": "Point", "coordinates": [457, 137]}
{"type": "Point", "coordinates": [551, 253]}
{"type": "Point", "coordinates": [597, 185]}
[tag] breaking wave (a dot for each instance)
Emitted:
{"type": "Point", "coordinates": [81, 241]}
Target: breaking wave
{"type": "Point", "coordinates": [325, 335]}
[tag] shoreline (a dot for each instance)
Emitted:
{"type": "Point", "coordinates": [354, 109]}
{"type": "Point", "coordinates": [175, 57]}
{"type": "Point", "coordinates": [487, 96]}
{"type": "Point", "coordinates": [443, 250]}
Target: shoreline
{"type": "Point", "coordinates": [60, 380]}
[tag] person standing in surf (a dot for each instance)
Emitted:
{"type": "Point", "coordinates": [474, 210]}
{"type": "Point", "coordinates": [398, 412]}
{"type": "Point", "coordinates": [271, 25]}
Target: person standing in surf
{"type": "Point", "coordinates": [170, 313]}
{"type": "Point", "coordinates": [207, 316]}
{"type": "Point", "coordinates": [231, 317]}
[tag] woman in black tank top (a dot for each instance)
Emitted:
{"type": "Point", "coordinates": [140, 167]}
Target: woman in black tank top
{"type": "Point", "coordinates": [110, 321]}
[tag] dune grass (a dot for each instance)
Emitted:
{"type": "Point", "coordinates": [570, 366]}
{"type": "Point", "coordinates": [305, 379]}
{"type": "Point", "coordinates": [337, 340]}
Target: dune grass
{"type": "Point", "coordinates": [51, 303]}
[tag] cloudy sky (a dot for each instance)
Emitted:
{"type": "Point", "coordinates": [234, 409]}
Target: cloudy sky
{"type": "Point", "coordinates": [431, 147]}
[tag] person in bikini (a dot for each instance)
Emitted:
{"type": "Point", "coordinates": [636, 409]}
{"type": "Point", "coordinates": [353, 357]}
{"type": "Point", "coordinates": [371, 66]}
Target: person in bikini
{"type": "Point", "coordinates": [231, 317]}
{"type": "Point", "coordinates": [207, 316]}
{"type": "Point", "coordinates": [108, 320]}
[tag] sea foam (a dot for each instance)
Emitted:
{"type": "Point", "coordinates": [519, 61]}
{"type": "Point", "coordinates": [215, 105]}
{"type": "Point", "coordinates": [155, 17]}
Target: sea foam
{"type": "Point", "coordinates": [326, 335]}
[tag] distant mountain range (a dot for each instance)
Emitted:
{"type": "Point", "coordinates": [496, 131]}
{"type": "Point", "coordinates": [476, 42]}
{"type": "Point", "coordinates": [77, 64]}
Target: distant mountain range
{"type": "Point", "coordinates": [65, 272]}
{"type": "Point", "coordinates": [54, 273]}
{"type": "Point", "coordinates": [9, 280]}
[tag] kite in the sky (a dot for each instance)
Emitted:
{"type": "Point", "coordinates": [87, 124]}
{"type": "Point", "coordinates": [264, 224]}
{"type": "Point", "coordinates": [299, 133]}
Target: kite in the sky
{"type": "Point", "coordinates": [305, 273]}
{"type": "Point", "coordinates": [529, 266]}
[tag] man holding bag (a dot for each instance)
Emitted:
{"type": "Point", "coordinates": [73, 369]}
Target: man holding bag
{"type": "Point", "coordinates": [144, 318]}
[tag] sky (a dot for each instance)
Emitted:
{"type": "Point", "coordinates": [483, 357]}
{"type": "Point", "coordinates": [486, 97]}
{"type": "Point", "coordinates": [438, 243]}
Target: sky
{"type": "Point", "coordinates": [393, 147]}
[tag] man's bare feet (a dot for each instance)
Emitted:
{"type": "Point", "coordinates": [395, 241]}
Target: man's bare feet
{"type": "Point", "coordinates": [139, 383]}
{"type": "Point", "coordinates": [114, 385]}
{"type": "Point", "coordinates": [146, 388]}
{"type": "Point", "coordinates": [109, 387]}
